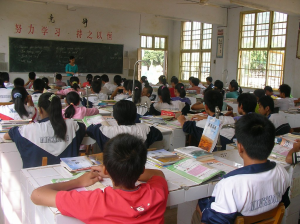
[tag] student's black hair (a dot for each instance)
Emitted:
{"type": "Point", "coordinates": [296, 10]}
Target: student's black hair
{"type": "Point", "coordinates": [190, 78]}
{"type": "Point", "coordinates": [286, 89]}
{"type": "Point", "coordinates": [124, 79]}
{"type": "Point", "coordinates": [19, 82]}
{"type": "Point", "coordinates": [31, 75]}
{"type": "Point", "coordinates": [268, 88]}
{"type": "Point", "coordinates": [19, 95]}
{"type": "Point", "coordinates": [74, 82]}
{"type": "Point", "coordinates": [259, 93]}
{"type": "Point", "coordinates": [209, 79]}
{"type": "Point", "coordinates": [126, 83]}
{"type": "Point", "coordinates": [145, 81]}
{"type": "Point", "coordinates": [52, 105]}
{"type": "Point", "coordinates": [248, 101]}
{"type": "Point", "coordinates": [72, 99]}
{"type": "Point", "coordinates": [213, 98]}
{"type": "Point", "coordinates": [125, 112]}
{"type": "Point", "coordinates": [4, 76]}
{"type": "Point", "coordinates": [234, 85]}
{"type": "Point", "coordinates": [104, 78]}
{"type": "Point", "coordinates": [58, 76]}
{"type": "Point", "coordinates": [39, 85]}
{"type": "Point", "coordinates": [89, 78]}
{"type": "Point", "coordinates": [174, 79]}
{"type": "Point", "coordinates": [267, 101]}
{"type": "Point", "coordinates": [149, 89]}
{"type": "Point", "coordinates": [46, 81]}
{"type": "Point", "coordinates": [124, 157]}
{"type": "Point", "coordinates": [118, 80]}
{"type": "Point", "coordinates": [2, 86]}
{"type": "Point", "coordinates": [180, 89]}
{"type": "Point", "coordinates": [195, 81]}
{"type": "Point", "coordinates": [219, 85]}
{"type": "Point", "coordinates": [96, 86]}
{"type": "Point", "coordinates": [164, 92]}
{"type": "Point", "coordinates": [71, 57]}
{"type": "Point", "coordinates": [162, 79]}
{"type": "Point", "coordinates": [137, 89]}
{"type": "Point", "coordinates": [96, 77]}
{"type": "Point", "coordinates": [256, 134]}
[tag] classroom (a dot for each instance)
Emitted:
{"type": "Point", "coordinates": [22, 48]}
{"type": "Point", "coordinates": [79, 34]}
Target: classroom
{"type": "Point", "coordinates": [249, 44]}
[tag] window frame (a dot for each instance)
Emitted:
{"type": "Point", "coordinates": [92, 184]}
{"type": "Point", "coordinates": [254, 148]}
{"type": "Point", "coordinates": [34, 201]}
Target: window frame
{"type": "Point", "coordinates": [190, 51]}
{"type": "Point", "coordinates": [153, 42]}
{"type": "Point", "coordinates": [269, 48]}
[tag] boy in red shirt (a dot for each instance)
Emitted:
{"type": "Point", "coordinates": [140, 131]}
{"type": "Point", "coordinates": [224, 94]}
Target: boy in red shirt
{"type": "Point", "coordinates": [124, 159]}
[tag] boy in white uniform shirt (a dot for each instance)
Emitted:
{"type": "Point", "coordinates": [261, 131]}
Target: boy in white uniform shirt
{"type": "Point", "coordinates": [107, 87]}
{"type": "Point", "coordinates": [285, 102]}
{"type": "Point", "coordinates": [257, 187]}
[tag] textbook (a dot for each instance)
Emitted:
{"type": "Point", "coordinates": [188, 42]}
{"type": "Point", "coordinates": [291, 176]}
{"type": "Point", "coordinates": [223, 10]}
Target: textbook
{"type": "Point", "coordinates": [194, 170]}
{"type": "Point", "coordinates": [99, 119]}
{"type": "Point", "coordinates": [194, 152]}
{"type": "Point", "coordinates": [163, 157]}
{"type": "Point", "coordinates": [6, 125]}
{"type": "Point", "coordinates": [81, 163]}
{"type": "Point", "coordinates": [210, 134]}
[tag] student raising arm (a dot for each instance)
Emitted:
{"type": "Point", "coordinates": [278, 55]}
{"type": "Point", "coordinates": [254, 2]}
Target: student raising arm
{"type": "Point", "coordinates": [124, 159]}
{"type": "Point", "coordinates": [23, 107]}
{"type": "Point", "coordinates": [53, 137]}
{"type": "Point", "coordinates": [125, 114]}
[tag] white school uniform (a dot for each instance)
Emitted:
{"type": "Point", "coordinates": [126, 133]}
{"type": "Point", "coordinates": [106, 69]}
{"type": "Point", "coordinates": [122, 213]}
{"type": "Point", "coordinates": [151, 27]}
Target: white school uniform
{"type": "Point", "coordinates": [35, 97]}
{"type": "Point", "coordinates": [8, 112]}
{"type": "Point", "coordinates": [284, 103]}
{"type": "Point", "coordinates": [110, 87]}
{"type": "Point", "coordinates": [5, 95]}
{"type": "Point", "coordinates": [141, 109]}
{"type": "Point", "coordinates": [175, 105]}
{"type": "Point", "coordinates": [95, 98]}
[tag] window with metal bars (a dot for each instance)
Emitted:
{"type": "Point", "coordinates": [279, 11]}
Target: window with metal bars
{"type": "Point", "coordinates": [262, 49]}
{"type": "Point", "coordinates": [195, 52]}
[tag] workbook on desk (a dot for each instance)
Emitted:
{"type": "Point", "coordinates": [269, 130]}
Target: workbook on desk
{"type": "Point", "coordinates": [194, 170]}
{"type": "Point", "coordinates": [6, 125]}
{"type": "Point", "coordinates": [194, 152]}
{"type": "Point", "coordinates": [81, 163]}
{"type": "Point", "coordinates": [162, 157]}
{"type": "Point", "coordinates": [99, 119]}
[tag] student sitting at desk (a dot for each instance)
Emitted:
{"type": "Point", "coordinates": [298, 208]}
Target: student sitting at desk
{"type": "Point", "coordinates": [75, 86]}
{"type": "Point", "coordinates": [98, 94]}
{"type": "Point", "coordinates": [108, 87]}
{"type": "Point", "coordinates": [22, 109]}
{"type": "Point", "coordinates": [144, 81]}
{"type": "Point", "coordinates": [195, 127]}
{"type": "Point", "coordinates": [266, 108]}
{"type": "Point", "coordinates": [195, 82]}
{"type": "Point", "coordinates": [285, 102]}
{"type": "Point", "coordinates": [233, 90]}
{"type": "Point", "coordinates": [5, 78]}
{"type": "Point", "coordinates": [125, 113]}
{"type": "Point", "coordinates": [19, 82]}
{"type": "Point", "coordinates": [53, 137]}
{"type": "Point", "coordinates": [73, 110]}
{"type": "Point", "coordinates": [209, 82]}
{"type": "Point", "coordinates": [58, 82]}
{"type": "Point", "coordinates": [124, 160]}
{"type": "Point", "coordinates": [174, 82]}
{"type": "Point", "coordinates": [258, 94]}
{"type": "Point", "coordinates": [147, 91]}
{"type": "Point", "coordinates": [5, 94]}
{"type": "Point", "coordinates": [162, 81]}
{"type": "Point", "coordinates": [165, 103]}
{"type": "Point", "coordinates": [38, 87]}
{"type": "Point", "coordinates": [89, 79]}
{"type": "Point", "coordinates": [180, 93]}
{"type": "Point", "coordinates": [120, 92]}
{"type": "Point", "coordinates": [269, 92]}
{"type": "Point", "coordinates": [293, 157]}
{"type": "Point", "coordinates": [46, 81]}
{"type": "Point", "coordinates": [242, 191]}
{"type": "Point", "coordinates": [246, 104]}
{"type": "Point", "coordinates": [29, 83]}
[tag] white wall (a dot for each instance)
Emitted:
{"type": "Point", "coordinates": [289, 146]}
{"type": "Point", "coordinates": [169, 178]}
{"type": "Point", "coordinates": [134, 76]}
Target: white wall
{"type": "Point", "coordinates": [125, 26]}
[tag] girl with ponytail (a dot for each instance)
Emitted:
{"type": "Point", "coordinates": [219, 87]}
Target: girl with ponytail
{"type": "Point", "coordinates": [89, 79]}
{"type": "Point", "coordinates": [23, 107]}
{"type": "Point", "coordinates": [179, 92]}
{"type": "Point", "coordinates": [144, 81]}
{"type": "Point", "coordinates": [53, 137]}
{"type": "Point", "coordinates": [163, 81]}
{"type": "Point", "coordinates": [165, 103]}
{"type": "Point", "coordinates": [73, 111]}
{"type": "Point", "coordinates": [75, 86]}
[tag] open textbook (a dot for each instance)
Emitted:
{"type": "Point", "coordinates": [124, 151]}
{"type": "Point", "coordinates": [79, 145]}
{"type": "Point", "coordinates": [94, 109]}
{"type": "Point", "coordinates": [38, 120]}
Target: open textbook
{"type": "Point", "coordinates": [162, 157]}
{"type": "Point", "coordinates": [99, 119]}
{"type": "Point", "coordinates": [194, 152]}
{"type": "Point", "coordinates": [81, 163]}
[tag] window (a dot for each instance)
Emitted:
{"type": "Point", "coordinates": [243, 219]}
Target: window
{"type": "Point", "coordinates": [195, 50]}
{"type": "Point", "coordinates": [153, 42]}
{"type": "Point", "coordinates": [262, 49]}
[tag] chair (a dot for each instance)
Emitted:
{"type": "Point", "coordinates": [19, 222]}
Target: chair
{"type": "Point", "coordinates": [6, 103]}
{"type": "Point", "coordinates": [271, 217]}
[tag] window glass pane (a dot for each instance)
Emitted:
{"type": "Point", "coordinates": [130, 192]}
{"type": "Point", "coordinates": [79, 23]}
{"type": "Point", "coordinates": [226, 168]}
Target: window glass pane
{"type": "Point", "coordinates": [196, 44]}
{"type": "Point", "coordinates": [278, 41]}
{"type": "Point", "coordinates": [143, 41]}
{"type": "Point", "coordinates": [187, 26]}
{"type": "Point", "coordinates": [162, 42]}
{"type": "Point", "coordinates": [247, 42]}
{"type": "Point", "coordinates": [249, 19]}
{"type": "Point", "coordinates": [279, 17]}
{"type": "Point", "coordinates": [149, 42]}
{"type": "Point", "coordinates": [196, 25]}
{"type": "Point", "coordinates": [156, 40]}
{"type": "Point", "coordinates": [186, 44]}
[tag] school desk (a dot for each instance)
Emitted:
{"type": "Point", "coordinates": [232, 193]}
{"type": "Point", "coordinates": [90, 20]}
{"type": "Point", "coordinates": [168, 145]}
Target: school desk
{"type": "Point", "coordinates": [233, 103]}
{"type": "Point", "coordinates": [292, 118]}
{"type": "Point", "coordinates": [182, 192]}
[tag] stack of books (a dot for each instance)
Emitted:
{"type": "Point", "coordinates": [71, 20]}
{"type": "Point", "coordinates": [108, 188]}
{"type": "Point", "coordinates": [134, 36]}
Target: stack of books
{"type": "Point", "coordinates": [5, 126]}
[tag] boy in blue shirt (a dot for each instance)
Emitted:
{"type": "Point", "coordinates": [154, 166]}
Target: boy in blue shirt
{"type": "Point", "coordinates": [257, 187]}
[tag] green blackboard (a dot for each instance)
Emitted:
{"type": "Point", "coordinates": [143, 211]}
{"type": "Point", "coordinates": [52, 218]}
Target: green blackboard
{"type": "Point", "coordinates": [27, 55]}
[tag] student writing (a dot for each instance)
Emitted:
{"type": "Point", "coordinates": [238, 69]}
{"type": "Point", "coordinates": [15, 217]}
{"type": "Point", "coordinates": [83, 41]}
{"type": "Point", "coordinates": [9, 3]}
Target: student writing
{"type": "Point", "coordinates": [23, 107]}
{"type": "Point", "coordinates": [180, 93]}
{"type": "Point", "coordinates": [125, 113]}
{"type": "Point", "coordinates": [124, 159]}
{"type": "Point", "coordinates": [53, 137]}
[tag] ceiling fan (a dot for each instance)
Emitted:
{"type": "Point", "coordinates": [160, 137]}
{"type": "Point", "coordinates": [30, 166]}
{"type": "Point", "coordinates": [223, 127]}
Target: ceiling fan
{"type": "Point", "coordinates": [198, 2]}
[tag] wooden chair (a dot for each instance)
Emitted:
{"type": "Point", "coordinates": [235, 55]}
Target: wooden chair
{"type": "Point", "coordinates": [271, 217]}
{"type": "Point", "coordinates": [5, 103]}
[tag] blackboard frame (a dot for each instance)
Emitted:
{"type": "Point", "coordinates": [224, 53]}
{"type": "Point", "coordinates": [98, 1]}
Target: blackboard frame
{"type": "Point", "coordinates": [40, 55]}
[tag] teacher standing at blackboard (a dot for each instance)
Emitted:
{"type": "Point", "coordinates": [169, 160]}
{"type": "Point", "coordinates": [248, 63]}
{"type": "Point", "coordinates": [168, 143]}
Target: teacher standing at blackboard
{"type": "Point", "coordinates": [71, 68]}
